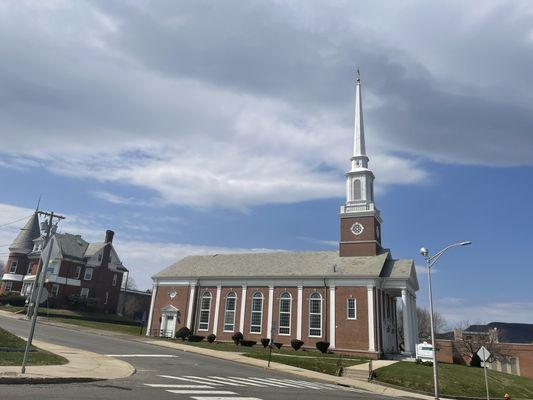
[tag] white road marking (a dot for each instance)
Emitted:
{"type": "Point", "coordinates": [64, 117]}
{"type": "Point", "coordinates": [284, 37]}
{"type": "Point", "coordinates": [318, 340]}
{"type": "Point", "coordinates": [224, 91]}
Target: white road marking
{"type": "Point", "coordinates": [306, 384]}
{"type": "Point", "coordinates": [188, 380]}
{"type": "Point", "coordinates": [142, 355]}
{"type": "Point", "coordinates": [157, 385]}
{"type": "Point", "coordinates": [246, 381]}
{"type": "Point", "coordinates": [201, 392]}
{"type": "Point", "coordinates": [221, 381]}
{"type": "Point", "coordinates": [225, 398]}
{"type": "Point", "coordinates": [268, 383]}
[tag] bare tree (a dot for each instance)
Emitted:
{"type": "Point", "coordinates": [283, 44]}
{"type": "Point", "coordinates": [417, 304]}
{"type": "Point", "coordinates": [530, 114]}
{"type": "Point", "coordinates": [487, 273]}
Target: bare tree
{"type": "Point", "coordinates": [468, 344]}
{"type": "Point", "coordinates": [131, 284]}
{"type": "Point", "coordinates": [424, 323]}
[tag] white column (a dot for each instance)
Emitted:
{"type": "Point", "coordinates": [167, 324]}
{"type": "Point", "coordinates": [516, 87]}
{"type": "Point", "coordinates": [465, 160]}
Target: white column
{"type": "Point", "coordinates": [190, 306]}
{"type": "Point", "coordinates": [299, 314]}
{"type": "Point", "coordinates": [151, 313]}
{"type": "Point", "coordinates": [406, 313]}
{"type": "Point", "coordinates": [414, 322]}
{"type": "Point", "coordinates": [270, 309]}
{"type": "Point", "coordinates": [217, 309]}
{"type": "Point", "coordinates": [371, 326]}
{"type": "Point", "coordinates": [332, 318]}
{"type": "Point", "coordinates": [243, 309]}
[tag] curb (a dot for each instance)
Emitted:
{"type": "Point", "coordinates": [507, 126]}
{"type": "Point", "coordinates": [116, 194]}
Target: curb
{"type": "Point", "coordinates": [27, 380]}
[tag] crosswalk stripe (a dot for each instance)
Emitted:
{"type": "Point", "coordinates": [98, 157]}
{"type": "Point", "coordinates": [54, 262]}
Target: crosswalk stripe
{"type": "Point", "coordinates": [220, 381]}
{"type": "Point", "coordinates": [309, 384]}
{"type": "Point", "coordinates": [157, 385]}
{"type": "Point", "coordinates": [224, 398]}
{"type": "Point", "coordinates": [201, 392]}
{"type": "Point", "coordinates": [188, 380]}
{"type": "Point", "coordinates": [291, 384]}
{"type": "Point", "coordinates": [264, 382]}
{"type": "Point", "coordinates": [237, 379]}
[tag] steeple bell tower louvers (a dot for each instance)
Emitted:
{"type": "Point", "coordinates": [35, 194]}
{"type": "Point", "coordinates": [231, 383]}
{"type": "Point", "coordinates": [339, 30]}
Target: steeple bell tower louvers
{"type": "Point", "coordinates": [360, 221]}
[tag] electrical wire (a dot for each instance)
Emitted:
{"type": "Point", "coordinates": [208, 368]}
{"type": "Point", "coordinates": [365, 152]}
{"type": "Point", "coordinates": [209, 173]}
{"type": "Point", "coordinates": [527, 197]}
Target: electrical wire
{"type": "Point", "coordinates": [12, 222]}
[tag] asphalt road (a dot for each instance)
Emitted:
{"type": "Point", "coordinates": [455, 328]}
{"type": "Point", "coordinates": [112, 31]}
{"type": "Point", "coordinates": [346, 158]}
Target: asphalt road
{"type": "Point", "coordinates": [169, 374]}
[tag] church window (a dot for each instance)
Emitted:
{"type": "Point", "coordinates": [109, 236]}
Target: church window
{"type": "Point", "coordinates": [229, 313]}
{"type": "Point", "coordinates": [357, 189]}
{"type": "Point", "coordinates": [351, 309]}
{"type": "Point", "coordinates": [205, 310]}
{"type": "Point", "coordinates": [256, 317]}
{"type": "Point", "coordinates": [13, 267]}
{"type": "Point", "coordinates": [315, 315]}
{"type": "Point", "coordinates": [285, 314]}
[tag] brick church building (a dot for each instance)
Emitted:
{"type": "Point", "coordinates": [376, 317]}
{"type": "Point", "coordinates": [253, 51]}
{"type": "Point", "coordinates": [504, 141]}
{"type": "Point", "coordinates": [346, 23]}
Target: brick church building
{"type": "Point", "coordinates": [348, 297]}
{"type": "Point", "coordinates": [93, 271]}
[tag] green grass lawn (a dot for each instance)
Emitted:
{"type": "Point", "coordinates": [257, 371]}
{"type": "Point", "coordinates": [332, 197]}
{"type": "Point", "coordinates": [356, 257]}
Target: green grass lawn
{"type": "Point", "coordinates": [107, 326]}
{"type": "Point", "coordinates": [12, 352]}
{"type": "Point", "coordinates": [456, 380]}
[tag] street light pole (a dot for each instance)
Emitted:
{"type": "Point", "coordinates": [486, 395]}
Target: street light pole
{"type": "Point", "coordinates": [430, 260]}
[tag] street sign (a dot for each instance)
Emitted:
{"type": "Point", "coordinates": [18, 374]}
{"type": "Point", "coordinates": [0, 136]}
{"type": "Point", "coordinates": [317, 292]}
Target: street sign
{"type": "Point", "coordinates": [483, 354]}
{"type": "Point", "coordinates": [44, 295]}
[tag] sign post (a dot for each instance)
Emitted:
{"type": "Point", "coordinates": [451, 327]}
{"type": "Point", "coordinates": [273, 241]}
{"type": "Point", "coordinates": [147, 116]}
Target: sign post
{"type": "Point", "coordinates": [271, 344]}
{"type": "Point", "coordinates": [484, 355]}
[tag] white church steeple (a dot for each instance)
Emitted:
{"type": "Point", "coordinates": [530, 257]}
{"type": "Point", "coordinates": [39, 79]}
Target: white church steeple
{"type": "Point", "coordinates": [360, 219]}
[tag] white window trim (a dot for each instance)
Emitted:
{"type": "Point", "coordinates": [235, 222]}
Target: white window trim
{"type": "Point", "coordinates": [284, 312]}
{"type": "Point", "coordinates": [205, 295]}
{"type": "Point", "coordinates": [82, 296]}
{"type": "Point", "coordinates": [310, 313]}
{"type": "Point", "coordinates": [10, 284]}
{"type": "Point", "coordinates": [106, 298]}
{"type": "Point", "coordinates": [30, 267]}
{"type": "Point", "coordinates": [77, 273]}
{"type": "Point", "coordinates": [13, 266]}
{"type": "Point", "coordinates": [55, 285]}
{"type": "Point", "coordinates": [115, 279]}
{"type": "Point", "coordinates": [85, 274]}
{"type": "Point", "coordinates": [260, 312]}
{"type": "Point", "coordinates": [231, 295]}
{"type": "Point", "coordinates": [348, 308]}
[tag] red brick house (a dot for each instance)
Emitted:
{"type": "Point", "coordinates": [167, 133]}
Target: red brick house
{"type": "Point", "coordinates": [348, 297]}
{"type": "Point", "coordinates": [90, 270]}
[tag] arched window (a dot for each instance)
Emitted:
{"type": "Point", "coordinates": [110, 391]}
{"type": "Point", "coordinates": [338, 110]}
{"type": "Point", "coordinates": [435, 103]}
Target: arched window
{"type": "Point", "coordinates": [357, 189]}
{"type": "Point", "coordinates": [315, 315]}
{"type": "Point", "coordinates": [256, 317]}
{"type": "Point", "coordinates": [229, 312]}
{"type": "Point", "coordinates": [205, 310]}
{"type": "Point", "coordinates": [285, 305]}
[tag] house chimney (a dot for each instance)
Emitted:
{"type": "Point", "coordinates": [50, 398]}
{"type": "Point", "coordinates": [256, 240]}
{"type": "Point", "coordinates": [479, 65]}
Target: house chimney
{"type": "Point", "coordinates": [109, 236]}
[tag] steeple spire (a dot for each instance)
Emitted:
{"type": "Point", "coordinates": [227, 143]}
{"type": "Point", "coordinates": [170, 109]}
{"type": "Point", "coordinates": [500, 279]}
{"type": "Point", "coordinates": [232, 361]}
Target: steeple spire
{"type": "Point", "coordinates": [359, 159]}
{"type": "Point", "coordinates": [359, 133]}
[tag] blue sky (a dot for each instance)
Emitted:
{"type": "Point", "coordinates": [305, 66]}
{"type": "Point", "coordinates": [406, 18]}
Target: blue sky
{"type": "Point", "coordinates": [191, 128]}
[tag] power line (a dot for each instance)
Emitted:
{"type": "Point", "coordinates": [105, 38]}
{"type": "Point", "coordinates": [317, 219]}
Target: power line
{"type": "Point", "coordinates": [12, 222]}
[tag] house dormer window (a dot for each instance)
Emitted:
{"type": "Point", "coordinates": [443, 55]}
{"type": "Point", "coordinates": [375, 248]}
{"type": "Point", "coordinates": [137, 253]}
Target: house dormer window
{"type": "Point", "coordinates": [13, 266]}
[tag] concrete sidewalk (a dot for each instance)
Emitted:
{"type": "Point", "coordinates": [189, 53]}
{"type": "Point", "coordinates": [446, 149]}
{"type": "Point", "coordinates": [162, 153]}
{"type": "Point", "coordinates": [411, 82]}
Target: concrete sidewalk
{"type": "Point", "coordinates": [82, 366]}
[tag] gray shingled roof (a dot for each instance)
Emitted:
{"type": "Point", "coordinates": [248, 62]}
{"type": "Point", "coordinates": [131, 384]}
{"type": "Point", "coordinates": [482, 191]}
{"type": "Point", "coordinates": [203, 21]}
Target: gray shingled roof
{"type": "Point", "coordinates": [72, 246]}
{"type": "Point", "coordinates": [93, 248]}
{"type": "Point", "coordinates": [284, 264]}
{"type": "Point", "coordinates": [23, 243]}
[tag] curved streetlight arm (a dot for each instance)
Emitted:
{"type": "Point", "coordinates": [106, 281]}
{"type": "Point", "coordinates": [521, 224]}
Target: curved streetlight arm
{"type": "Point", "coordinates": [431, 260]}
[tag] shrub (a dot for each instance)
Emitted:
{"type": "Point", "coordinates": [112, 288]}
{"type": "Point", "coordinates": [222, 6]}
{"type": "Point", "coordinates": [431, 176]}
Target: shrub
{"type": "Point", "coordinates": [211, 338]}
{"type": "Point", "coordinates": [248, 343]}
{"type": "Point", "coordinates": [13, 299]}
{"type": "Point", "coordinates": [195, 338]}
{"type": "Point", "coordinates": [265, 342]}
{"type": "Point", "coordinates": [182, 333]}
{"type": "Point", "coordinates": [278, 345]}
{"type": "Point", "coordinates": [322, 346]}
{"type": "Point", "coordinates": [475, 361]}
{"type": "Point", "coordinates": [237, 338]}
{"type": "Point", "coordinates": [296, 344]}
{"type": "Point", "coordinates": [92, 304]}
{"type": "Point", "coordinates": [425, 363]}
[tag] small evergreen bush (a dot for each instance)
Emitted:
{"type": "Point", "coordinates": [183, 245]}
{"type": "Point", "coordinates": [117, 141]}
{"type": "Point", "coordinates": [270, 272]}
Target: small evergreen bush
{"type": "Point", "coordinates": [196, 338]}
{"type": "Point", "coordinates": [211, 338]}
{"type": "Point", "coordinates": [248, 343]}
{"type": "Point", "coordinates": [278, 345]}
{"type": "Point", "coordinates": [182, 333]}
{"type": "Point", "coordinates": [322, 347]}
{"type": "Point", "coordinates": [265, 342]}
{"type": "Point", "coordinates": [237, 338]}
{"type": "Point", "coordinates": [296, 344]}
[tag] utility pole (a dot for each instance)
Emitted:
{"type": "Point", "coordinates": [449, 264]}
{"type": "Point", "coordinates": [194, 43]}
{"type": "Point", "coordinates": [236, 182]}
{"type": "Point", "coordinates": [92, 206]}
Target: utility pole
{"type": "Point", "coordinates": [39, 280]}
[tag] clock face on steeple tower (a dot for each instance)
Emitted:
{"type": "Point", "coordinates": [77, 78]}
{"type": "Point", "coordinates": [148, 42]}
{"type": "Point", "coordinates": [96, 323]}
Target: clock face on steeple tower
{"type": "Point", "coordinates": [360, 227]}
